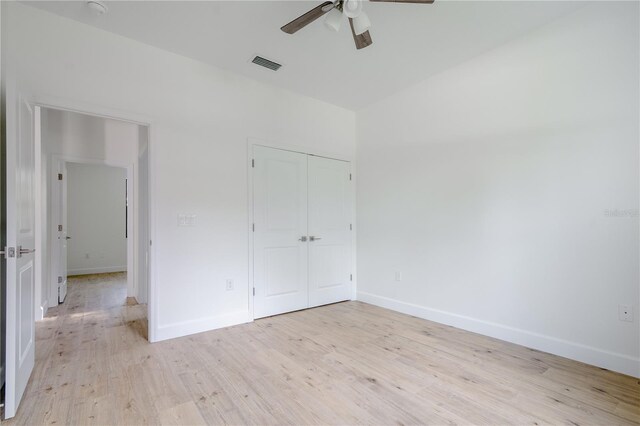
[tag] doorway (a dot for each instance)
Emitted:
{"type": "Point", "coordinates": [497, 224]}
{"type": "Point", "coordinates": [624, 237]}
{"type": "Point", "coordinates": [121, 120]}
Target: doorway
{"type": "Point", "coordinates": [302, 231]}
{"type": "Point", "coordinates": [40, 141]}
{"type": "Point", "coordinates": [94, 205]}
{"type": "Point", "coordinates": [93, 215]}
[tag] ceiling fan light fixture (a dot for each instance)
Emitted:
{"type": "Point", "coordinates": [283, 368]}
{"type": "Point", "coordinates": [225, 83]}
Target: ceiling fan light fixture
{"type": "Point", "coordinates": [333, 20]}
{"type": "Point", "coordinates": [352, 8]}
{"type": "Point", "coordinates": [361, 24]}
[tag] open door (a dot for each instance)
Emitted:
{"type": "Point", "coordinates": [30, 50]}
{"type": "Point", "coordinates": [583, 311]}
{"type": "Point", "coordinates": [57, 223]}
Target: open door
{"type": "Point", "coordinates": [20, 248]}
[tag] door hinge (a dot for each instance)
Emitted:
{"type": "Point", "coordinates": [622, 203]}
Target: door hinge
{"type": "Point", "coordinates": [59, 176]}
{"type": "Point", "coordinates": [351, 227]}
{"type": "Point", "coordinates": [59, 228]}
{"type": "Point", "coordinates": [8, 252]}
{"type": "Point", "coordinates": [59, 280]}
{"type": "Point", "coordinates": [253, 227]}
{"type": "Point", "coordinates": [349, 176]}
{"type": "Point", "coordinates": [253, 162]}
{"type": "Point", "coordinates": [254, 291]}
{"type": "Point", "coordinates": [350, 277]}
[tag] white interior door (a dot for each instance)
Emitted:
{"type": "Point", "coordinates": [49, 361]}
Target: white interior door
{"type": "Point", "coordinates": [280, 223]}
{"type": "Point", "coordinates": [20, 238]}
{"type": "Point", "coordinates": [63, 237]}
{"type": "Point", "coordinates": [329, 231]}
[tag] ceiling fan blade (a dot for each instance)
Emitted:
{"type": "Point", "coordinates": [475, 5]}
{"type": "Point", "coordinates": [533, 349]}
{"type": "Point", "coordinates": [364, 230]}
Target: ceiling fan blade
{"type": "Point", "coordinates": [363, 40]}
{"type": "Point", "coordinates": [404, 1]}
{"type": "Point", "coordinates": [304, 20]}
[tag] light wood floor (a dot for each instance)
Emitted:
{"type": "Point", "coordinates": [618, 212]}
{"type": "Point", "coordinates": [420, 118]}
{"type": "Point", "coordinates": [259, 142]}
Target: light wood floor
{"type": "Point", "coordinates": [347, 363]}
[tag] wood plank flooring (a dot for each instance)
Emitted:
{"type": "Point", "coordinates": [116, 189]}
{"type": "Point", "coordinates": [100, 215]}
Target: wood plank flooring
{"type": "Point", "coordinates": [348, 363]}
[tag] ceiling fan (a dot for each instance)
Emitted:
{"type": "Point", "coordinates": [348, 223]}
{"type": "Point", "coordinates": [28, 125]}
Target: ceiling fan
{"type": "Point", "coordinates": [352, 9]}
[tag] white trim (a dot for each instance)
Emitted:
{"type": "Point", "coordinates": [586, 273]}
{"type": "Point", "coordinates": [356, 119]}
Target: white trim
{"type": "Point", "coordinates": [186, 328]}
{"type": "Point", "coordinates": [101, 270]}
{"type": "Point", "coordinates": [286, 146]}
{"type": "Point", "coordinates": [91, 109]}
{"type": "Point", "coordinates": [605, 359]}
{"type": "Point", "coordinates": [354, 233]}
{"type": "Point", "coordinates": [41, 298]}
{"type": "Point", "coordinates": [250, 227]}
{"type": "Point", "coordinates": [42, 310]}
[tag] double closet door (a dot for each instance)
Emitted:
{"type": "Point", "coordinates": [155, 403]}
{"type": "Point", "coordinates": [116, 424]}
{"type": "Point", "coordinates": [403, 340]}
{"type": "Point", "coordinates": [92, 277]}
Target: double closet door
{"type": "Point", "coordinates": [302, 206]}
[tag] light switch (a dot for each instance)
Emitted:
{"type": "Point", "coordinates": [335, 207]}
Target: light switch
{"type": "Point", "coordinates": [186, 220]}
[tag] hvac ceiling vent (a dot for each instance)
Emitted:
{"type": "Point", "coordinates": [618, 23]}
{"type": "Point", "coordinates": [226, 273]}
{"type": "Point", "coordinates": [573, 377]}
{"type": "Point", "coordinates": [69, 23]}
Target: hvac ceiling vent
{"type": "Point", "coordinates": [263, 62]}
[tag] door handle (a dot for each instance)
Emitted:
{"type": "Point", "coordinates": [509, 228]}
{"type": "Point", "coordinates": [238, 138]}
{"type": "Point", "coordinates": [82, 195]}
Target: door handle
{"type": "Point", "coordinates": [68, 238]}
{"type": "Point", "coordinates": [303, 238]}
{"type": "Point", "coordinates": [22, 251]}
{"type": "Point", "coordinates": [312, 238]}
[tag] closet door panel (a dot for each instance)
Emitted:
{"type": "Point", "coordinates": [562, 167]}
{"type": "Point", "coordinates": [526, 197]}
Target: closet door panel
{"type": "Point", "coordinates": [280, 220]}
{"type": "Point", "coordinates": [330, 212]}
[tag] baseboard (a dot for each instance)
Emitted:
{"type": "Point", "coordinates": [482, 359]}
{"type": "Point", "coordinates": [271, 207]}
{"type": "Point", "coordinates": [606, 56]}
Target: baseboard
{"type": "Point", "coordinates": [43, 310]}
{"type": "Point", "coordinates": [172, 331]}
{"type": "Point", "coordinates": [572, 350]}
{"type": "Point", "coordinates": [101, 270]}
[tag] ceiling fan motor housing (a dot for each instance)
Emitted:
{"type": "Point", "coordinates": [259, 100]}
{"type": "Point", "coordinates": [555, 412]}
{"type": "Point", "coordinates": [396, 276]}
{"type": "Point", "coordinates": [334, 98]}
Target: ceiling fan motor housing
{"type": "Point", "coordinates": [352, 8]}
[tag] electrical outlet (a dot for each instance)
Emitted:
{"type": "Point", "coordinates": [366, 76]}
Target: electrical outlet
{"type": "Point", "coordinates": [625, 313]}
{"type": "Point", "coordinates": [398, 276]}
{"type": "Point", "coordinates": [229, 285]}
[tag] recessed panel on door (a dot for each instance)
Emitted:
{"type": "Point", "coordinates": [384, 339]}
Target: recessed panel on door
{"type": "Point", "coordinates": [330, 212]}
{"type": "Point", "coordinates": [25, 315]}
{"type": "Point", "coordinates": [280, 222]}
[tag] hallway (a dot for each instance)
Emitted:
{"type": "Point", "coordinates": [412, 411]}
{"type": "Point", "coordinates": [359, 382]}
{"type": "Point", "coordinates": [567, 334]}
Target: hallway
{"type": "Point", "coordinates": [79, 351]}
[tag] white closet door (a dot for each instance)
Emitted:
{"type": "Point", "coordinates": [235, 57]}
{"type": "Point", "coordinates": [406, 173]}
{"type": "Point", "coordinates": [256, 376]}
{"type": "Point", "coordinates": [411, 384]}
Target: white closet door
{"type": "Point", "coordinates": [280, 220]}
{"type": "Point", "coordinates": [329, 231]}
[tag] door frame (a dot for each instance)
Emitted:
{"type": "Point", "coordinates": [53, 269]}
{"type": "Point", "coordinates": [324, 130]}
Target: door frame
{"type": "Point", "coordinates": [251, 143]}
{"type": "Point", "coordinates": [80, 107]}
{"type": "Point", "coordinates": [132, 260]}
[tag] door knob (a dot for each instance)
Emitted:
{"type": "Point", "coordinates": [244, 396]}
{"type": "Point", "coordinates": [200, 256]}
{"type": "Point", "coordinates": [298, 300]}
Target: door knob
{"type": "Point", "coordinates": [303, 238]}
{"type": "Point", "coordinates": [22, 251]}
{"type": "Point", "coordinates": [68, 238]}
{"type": "Point", "coordinates": [312, 238]}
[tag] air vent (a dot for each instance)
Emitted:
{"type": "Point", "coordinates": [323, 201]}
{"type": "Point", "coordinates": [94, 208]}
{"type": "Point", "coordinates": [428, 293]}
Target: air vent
{"type": "Point", "coordinates": [273, 66]}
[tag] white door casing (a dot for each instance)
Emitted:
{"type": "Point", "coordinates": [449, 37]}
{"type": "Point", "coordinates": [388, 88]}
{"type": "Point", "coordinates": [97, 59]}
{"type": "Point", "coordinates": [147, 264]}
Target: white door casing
{"type": "Point", "coordinates": [20, 236]}
{"type": "Point", "coordinates": [58, 272]}
{"type": "Point", "coordinates": [329, 231]}
{"type": "Point", "coordinates": [62, 231]}
{"type": "Point", "coordinates": [280, 222]}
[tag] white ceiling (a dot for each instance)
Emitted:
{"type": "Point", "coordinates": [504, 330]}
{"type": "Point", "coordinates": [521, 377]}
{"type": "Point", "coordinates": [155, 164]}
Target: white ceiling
{"type": "Point", "coordinates": [410, 41]}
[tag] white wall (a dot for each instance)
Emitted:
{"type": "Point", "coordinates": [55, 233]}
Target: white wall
{"type": "Point", "coordinates": [486, 186]}
{"type": "Point", "coordinates": [96, 219]}
{"type": "Point", "coordinates": [200, 118]}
